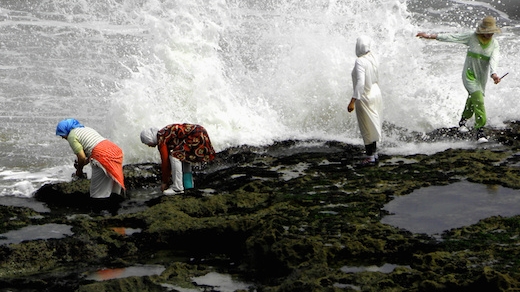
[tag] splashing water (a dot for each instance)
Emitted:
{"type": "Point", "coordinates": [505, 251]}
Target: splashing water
{"type": "Point", "coordinates": [251, 72]}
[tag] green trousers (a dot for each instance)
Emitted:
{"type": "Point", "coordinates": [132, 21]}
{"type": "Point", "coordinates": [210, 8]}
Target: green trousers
{"type": "Point", "coordinates": [475, 105]}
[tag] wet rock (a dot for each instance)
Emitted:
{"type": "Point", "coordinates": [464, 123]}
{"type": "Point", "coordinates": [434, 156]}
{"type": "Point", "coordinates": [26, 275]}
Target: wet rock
{"type": "Point", "coordinates": [15, 217]}
{"type": "Point", "coordinates": [73, 194]}
{"type": "Point", "coordinates": [287, 217]}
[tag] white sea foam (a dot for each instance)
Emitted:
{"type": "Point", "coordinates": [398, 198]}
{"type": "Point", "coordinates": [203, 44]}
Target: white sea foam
{"type": "Point", "coordinates": [251, 72]}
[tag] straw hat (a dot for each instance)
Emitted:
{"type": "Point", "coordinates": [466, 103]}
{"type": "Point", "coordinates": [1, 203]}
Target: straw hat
{"type": "Point", "coordinates": [488, 25]}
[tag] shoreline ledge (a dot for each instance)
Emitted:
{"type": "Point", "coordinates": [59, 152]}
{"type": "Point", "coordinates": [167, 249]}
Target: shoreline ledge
{"type": "Point", "coordinates": [292, 216]}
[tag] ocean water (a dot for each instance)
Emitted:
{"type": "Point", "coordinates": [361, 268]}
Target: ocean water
{"type": "Point", "coordinates": [251, 72]}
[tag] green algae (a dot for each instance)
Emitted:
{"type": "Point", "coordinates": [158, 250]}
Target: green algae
{"type": "Point", "coordinates": [289, 233]}
{"type": "Point", "coordinates": [15, 217]}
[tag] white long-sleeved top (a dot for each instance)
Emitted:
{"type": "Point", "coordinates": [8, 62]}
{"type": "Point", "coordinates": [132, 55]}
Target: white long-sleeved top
{"type": "Point", "coordinates": [365, 72]}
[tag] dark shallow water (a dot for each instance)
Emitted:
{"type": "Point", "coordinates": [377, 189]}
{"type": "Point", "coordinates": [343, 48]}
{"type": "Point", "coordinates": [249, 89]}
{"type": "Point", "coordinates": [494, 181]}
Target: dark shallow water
{"type": "Point", "coordinates": [34, 232]}
{"type": "Point", "coordinates": [435, 209]}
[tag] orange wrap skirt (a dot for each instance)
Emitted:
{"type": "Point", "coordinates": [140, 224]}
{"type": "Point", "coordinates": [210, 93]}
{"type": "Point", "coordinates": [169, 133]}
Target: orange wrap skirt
{"type": "Point", "coordinates": [110, 156]}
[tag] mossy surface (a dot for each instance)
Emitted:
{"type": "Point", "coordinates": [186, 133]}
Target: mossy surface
{"type": "Point", "coordinates": [287, 217]}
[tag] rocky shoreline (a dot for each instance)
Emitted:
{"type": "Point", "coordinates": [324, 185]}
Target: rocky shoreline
{"type": "Point", "coordinates": [294, 216]}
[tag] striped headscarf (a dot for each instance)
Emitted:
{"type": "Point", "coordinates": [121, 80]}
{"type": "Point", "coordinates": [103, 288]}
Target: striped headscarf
{"type": "Point", "coordinates": [65, 126]}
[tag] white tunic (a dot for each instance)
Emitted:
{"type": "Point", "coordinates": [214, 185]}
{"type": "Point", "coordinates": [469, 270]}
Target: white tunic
{"type": "Point", "coordinates": [365, 77]}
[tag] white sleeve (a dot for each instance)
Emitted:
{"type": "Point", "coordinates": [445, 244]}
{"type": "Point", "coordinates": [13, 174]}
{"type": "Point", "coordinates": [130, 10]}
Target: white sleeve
{"type": "Point", "coordinates": [493, 61]}
{"type": "Point", "coordinates": [358, 79]}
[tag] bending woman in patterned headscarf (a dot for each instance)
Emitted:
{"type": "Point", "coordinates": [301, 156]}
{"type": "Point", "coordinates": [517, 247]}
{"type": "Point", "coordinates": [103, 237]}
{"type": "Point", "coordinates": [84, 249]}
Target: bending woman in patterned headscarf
{"type": "Point", "coordinates": [106, 157]}
{"type": "Point", "coordinates": [179, 144]}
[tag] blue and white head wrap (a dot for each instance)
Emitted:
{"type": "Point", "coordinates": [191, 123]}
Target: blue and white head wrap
{"type": "Point", "coordinates": [64, 127]}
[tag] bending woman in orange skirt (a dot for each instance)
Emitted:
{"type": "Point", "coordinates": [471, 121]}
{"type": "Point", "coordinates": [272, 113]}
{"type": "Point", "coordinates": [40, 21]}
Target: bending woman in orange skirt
{"type": "Point", "coordinates": [179, 145]}
{"type": "Point", "coordinates": [106, 157]}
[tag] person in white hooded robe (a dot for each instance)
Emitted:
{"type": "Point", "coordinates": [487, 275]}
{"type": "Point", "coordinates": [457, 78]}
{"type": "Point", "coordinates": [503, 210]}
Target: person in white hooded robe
{"type": "Point", "coordinates": [367, 98]}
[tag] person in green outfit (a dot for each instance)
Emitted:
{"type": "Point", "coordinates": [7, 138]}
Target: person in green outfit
{"type": "Point", "coordinates": [481, 61]}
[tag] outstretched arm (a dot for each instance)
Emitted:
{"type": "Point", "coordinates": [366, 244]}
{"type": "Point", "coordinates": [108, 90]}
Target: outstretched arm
{"type": "Point", "coordinates": [424, 35]}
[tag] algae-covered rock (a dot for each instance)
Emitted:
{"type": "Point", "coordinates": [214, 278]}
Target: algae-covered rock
{"type": "Point", "coordinates": [74, 194]}
{"type": "Point", "coordinates": [15, 217]}
{"type": "Point", "coordinates": [292, 216]}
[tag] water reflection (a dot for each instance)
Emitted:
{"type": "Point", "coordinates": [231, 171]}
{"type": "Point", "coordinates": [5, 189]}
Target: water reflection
{"type": "Point", "coordinates": [126, 231]}
{"type": "Point", "coordinates": [435, 209]}
{"type": "Point", "coordinates": [34, 232]}
{"type": "Point", "coordinates": [221, 282]}
{"type": "Point", "coordinates": [24, 202]}
{"type": "Point", "coordinates": [118, 273]}
{"type": "Point", "coordinates": [386, 269]}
